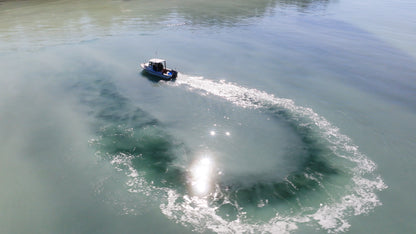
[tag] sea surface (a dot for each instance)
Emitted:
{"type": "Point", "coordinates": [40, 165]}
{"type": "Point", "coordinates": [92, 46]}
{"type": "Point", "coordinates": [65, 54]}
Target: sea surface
{"type": "Point", "coordinates": [287, 116]}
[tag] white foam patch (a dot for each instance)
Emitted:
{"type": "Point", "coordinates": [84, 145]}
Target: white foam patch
{"type": "Point", "coordinates": [358, 199]}
{"type": "Point", "coordinates": [200, 215]}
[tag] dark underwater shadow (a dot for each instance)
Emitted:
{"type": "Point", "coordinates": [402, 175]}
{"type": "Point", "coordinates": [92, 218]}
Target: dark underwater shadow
{"type": "Point", "coordinates": [313, 171]}
{"type": "Point", "coordinates": [126, 131]}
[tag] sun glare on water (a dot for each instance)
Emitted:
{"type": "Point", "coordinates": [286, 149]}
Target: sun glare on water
{"type": "Point", "coordinates": [201, 176]}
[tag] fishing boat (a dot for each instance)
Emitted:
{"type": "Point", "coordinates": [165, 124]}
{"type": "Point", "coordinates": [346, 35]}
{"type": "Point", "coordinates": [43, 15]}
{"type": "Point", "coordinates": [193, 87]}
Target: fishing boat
{"type": "Point", "coordinates": [157, 67]}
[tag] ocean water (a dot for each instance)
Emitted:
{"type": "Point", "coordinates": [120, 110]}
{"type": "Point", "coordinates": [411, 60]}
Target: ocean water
{"type": "Point", "coordinates": [286, 117]}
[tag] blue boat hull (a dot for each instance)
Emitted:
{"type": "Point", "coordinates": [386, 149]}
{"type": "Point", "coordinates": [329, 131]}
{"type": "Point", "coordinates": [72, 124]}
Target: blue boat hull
{"type": "Point", "coordinates": [167, 74]}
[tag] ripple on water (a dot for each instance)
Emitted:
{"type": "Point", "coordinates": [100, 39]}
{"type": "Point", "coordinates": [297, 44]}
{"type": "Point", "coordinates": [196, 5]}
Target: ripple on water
{"type": "Point", "coordinates": [333, 182]}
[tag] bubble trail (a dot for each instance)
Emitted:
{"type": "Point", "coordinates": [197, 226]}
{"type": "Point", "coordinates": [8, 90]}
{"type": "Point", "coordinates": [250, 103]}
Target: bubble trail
{"type": "Point", "coordinates": [357, 198]}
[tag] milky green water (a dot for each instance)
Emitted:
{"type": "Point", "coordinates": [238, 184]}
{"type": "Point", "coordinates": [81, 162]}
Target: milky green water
{"type": "Point", "coordinates": [286, 117]}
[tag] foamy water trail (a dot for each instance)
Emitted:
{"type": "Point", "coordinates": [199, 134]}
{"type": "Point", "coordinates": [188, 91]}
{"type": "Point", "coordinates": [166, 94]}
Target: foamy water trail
{"type": "Point", "coordinates": [332, 215]}
{"type": "Point", "coordinates": [141, 146]}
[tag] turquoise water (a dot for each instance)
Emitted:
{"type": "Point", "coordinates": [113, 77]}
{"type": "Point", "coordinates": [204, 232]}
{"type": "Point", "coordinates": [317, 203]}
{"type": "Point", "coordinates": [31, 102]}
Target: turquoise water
{"type": "Point", "coordinates": [286, 117]}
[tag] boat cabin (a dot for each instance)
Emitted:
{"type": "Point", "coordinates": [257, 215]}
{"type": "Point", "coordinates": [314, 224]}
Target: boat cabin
{"type": "Point", "coordinates": [157, 65]}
